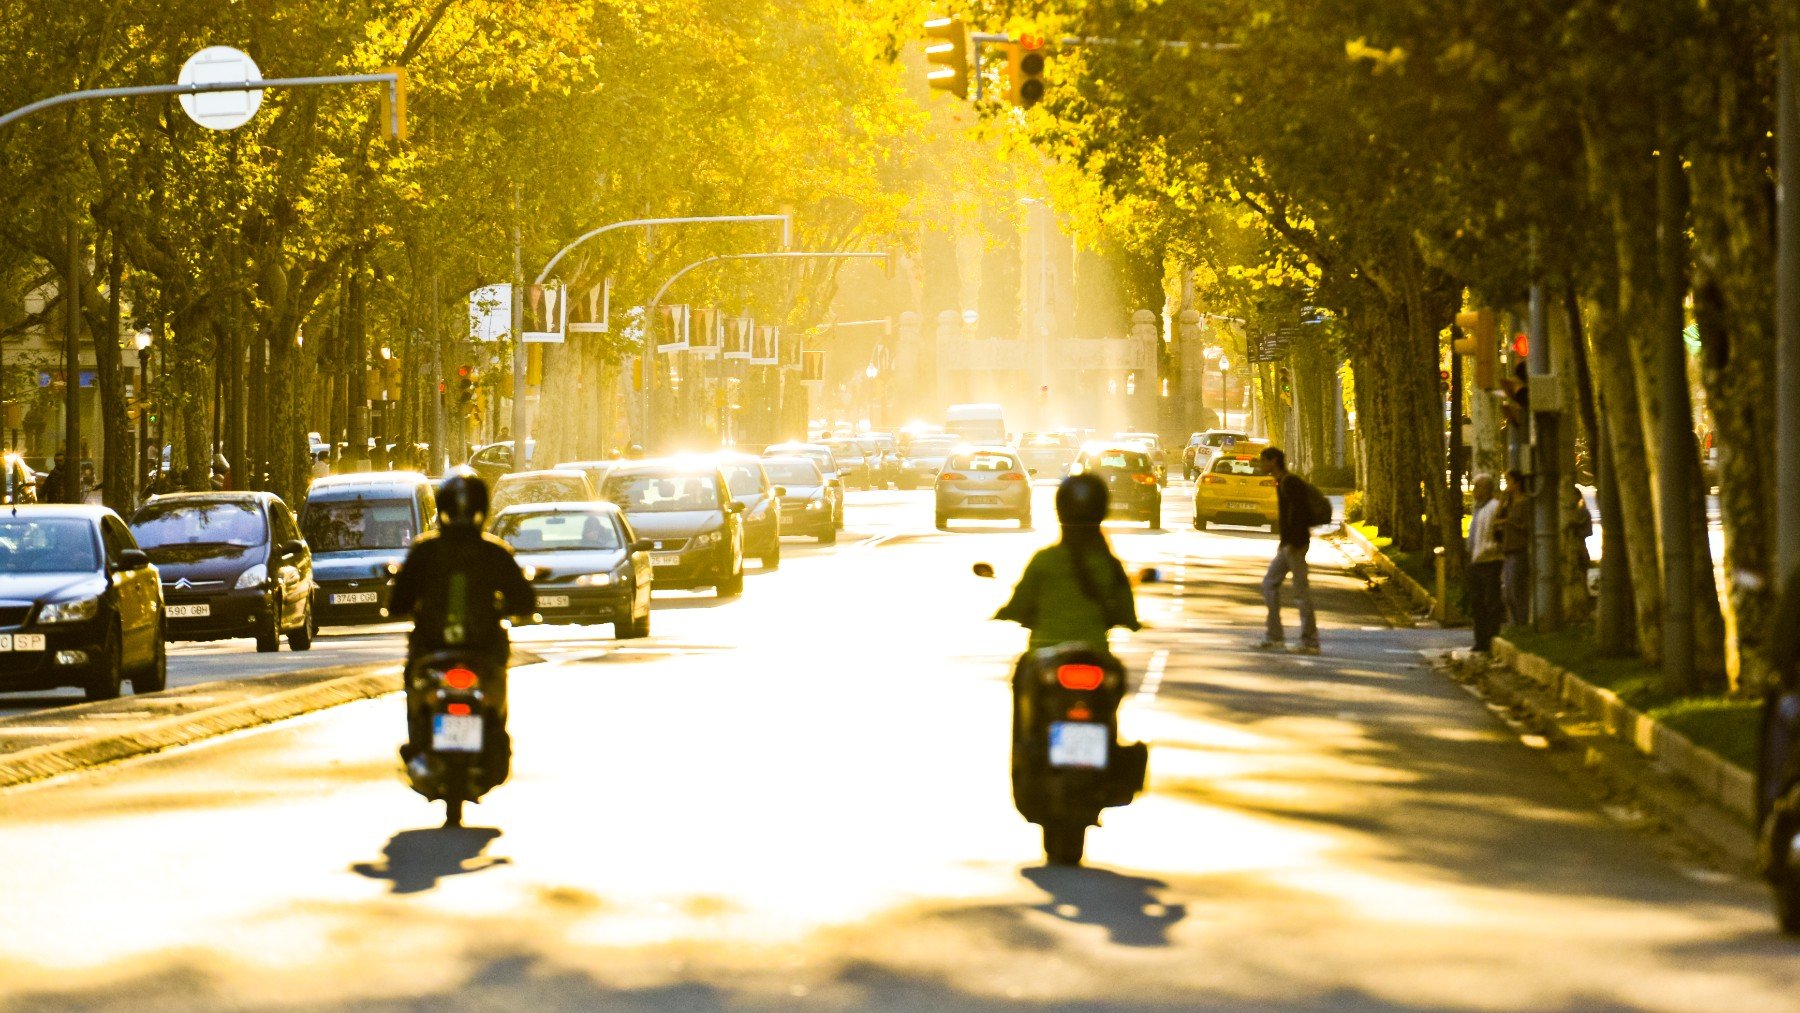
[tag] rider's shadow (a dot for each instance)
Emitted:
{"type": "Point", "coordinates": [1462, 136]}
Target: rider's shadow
{"type": "Point", "coordinates": [414, 860]}
{"type": "Point", "coordinates": [1126, 906]}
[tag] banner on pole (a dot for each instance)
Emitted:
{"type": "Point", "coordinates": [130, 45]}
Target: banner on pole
{"type": "Point", "coordinates": [591, 311]}
{"type": "Point", "coordinates": [765, 345]}
{"type": "Point", "coordinates": [812, 366]}
{"type": "Point", "coordinates": [703, 337]}
{"type": "Point", "coordinates": [672, 323]}
{"type": "Point", "coordinates": [737, 337]}
{"type": "Point", "coordinates": [546, 315]}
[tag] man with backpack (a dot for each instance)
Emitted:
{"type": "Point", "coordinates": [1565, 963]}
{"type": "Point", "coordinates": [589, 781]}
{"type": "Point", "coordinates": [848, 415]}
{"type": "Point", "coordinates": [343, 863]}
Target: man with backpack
{"type": "Point", "coordinates": [1300, 507]}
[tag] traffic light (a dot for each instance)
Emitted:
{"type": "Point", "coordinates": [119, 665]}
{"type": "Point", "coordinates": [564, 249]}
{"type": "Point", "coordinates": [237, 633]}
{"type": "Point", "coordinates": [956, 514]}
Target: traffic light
{"type": "Point", "coordinates": [1481, 341]}
{"type": "Point", "coordinates": [1024, 71]}
{"type": "Point", "coordinates": [947, 50]}
{"type": "Point", "coordinates": [465, 384]}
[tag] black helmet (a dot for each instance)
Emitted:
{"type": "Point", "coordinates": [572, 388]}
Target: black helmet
{"type": "Point", "coordinates": [462, 499]}
{"type": "Point", "coordinates": [1081, 500]}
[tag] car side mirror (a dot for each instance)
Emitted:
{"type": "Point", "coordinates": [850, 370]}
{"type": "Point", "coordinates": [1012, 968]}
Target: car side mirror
{"type": "Point", "coordinates": [1149, 575]}
{"type": "Point", "coordinates": [133, 559]}
{"type": "Point", "coordinates": [1031, 471]}
{"type": "Point", "coordinates": [293, 547]}
{"type": "Point", "coordinates": [982, 570]}
{"type": "Point", "coordinates": [780, 490]}
{"type": "Point", "coordinates": [642, 545]}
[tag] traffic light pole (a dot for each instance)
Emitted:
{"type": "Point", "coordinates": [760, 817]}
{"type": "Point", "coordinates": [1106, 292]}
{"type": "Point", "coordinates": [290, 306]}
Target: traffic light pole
{"type": "Point", "coordinates": [1787, 308]}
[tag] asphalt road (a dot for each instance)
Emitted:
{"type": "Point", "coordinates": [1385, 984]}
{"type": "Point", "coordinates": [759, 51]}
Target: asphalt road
{"type": "Point", "coordinates": [799, 799]}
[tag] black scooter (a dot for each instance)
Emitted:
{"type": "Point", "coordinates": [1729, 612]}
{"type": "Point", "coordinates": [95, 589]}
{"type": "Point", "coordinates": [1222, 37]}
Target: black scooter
{"type": "Point", "coordinates": [458, 748]}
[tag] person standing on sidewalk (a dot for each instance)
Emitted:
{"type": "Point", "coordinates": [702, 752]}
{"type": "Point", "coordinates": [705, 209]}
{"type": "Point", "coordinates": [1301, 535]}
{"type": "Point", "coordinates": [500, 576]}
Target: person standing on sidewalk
{"type": "Point", "coordinates": [1294, 498]}
{"type": "Point", "coordinates": [1514, 537]}
{"type": "Point", "coordinates": [1485, 562]}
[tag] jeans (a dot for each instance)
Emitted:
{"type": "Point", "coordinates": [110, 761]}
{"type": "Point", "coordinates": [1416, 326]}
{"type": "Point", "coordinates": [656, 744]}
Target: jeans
{"type": "Point", "coordinates": [1289, 559]}
{"type": "Point", "coordinates": [1485, 603]}
{"type": "Point", "coordinates": [1515, 583]}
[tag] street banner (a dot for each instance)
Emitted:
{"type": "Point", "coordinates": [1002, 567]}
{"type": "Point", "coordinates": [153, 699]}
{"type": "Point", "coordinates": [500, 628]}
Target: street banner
{"type": "Point", "coordinates": [546, 314]}
{"type": "Point", "coordinates": [590, 311]}
{"type": "Point", "coordinates": [812, 366]}
{"type": "Point", "coordinates": [765, 345]}
{"type": "Point", "coordinates": [737, 337]}
{"type": "Point", "coordinates": [789, 353]}
{"type": "Point", "coordinates": [703, 337]}
{"type": "Point", "coordinates": [671, 326]}
{"type": "Point", "coordinates": [490, 313]}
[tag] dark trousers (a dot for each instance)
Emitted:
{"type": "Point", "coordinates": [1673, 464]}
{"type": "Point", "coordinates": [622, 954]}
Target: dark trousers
{"type": "Point", "coordinates": [1485, 602]}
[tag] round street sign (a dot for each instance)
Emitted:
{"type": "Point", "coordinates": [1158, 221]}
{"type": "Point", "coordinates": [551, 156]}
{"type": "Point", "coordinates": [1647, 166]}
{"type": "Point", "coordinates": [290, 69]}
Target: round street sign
{"type": "Point", "coordinates": [220, 110]}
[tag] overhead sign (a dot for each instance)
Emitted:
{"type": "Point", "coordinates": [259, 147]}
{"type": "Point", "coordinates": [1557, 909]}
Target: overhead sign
{"type": "Point", "coordinates": [765, 345]}
{"type": "Point", "coordinates": [220, 110]}
{"type": "Point", "coordinates": [671, 328]}
{"type": "Point", "coordinates": [703, 334]}
{"type": "Point", "coordinates": [546, 315]}
{"type": "Point", "coordinates": [490, 313]}
{"type": "Point", "coordinates": [812, 366]}
{"type": "Point", "coordinates": [590, 312]}
{"type": "Point", "coordinates": [737, 337]}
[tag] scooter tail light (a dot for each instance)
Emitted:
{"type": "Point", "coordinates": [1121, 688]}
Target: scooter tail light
{"type": "Point", "coordinates": [1082, 677]}
{"type": "Point", "coordinates": [460, 678]}
{"type": "Point", "coordinates": [1080, 712]}
{"type": "Point", "coordinates": [458, 709]}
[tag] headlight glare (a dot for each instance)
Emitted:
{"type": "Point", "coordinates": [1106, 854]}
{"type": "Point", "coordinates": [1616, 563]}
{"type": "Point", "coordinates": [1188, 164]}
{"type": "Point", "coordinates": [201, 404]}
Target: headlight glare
{"type": "Point", "coordinates": [594, 580]}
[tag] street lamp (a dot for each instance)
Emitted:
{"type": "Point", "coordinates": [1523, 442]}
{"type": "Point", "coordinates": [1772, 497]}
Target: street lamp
{"type": "Point", "coordinates": [1224, 407]}
{"type": "Point", "coordinates": [872, 372]}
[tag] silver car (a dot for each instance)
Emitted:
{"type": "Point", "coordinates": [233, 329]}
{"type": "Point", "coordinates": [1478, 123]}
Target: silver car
{"type": "Point", "coordinates": [984, 482]}
{"type": "Point", "coordinates": [924, 459]}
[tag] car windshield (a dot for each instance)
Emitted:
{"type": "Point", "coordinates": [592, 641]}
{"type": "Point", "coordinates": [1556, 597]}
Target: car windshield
{"type": "Point", "coordinates": [984, 462]}
{"type": "Point", "coordinates": [1220, 439]}
{"type": "Point", "coordinates": [356, 525]}
{"type": "Point", "coordinates": [793, 473]}
{"type": "Point", "coordinates": [1119, 460]}
{"type": "Point", "coordinates": [557, 532]}
{"type": "Point", "coordinates": [59, 545]}
{"type": "Point", "coordinates": [1236, 466]}
{"type": "Point", "coordinates": [743, 479]}
{"type": "Point", "coordinates": [214, 523]}
{"type": "Point", "coordinates": [664, 493]}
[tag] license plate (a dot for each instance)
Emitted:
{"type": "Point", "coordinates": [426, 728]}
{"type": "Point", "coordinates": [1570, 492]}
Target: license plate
{"type": "Point", "coordinates": [22, 642]}
{"type": "Point", "coordinates": [456, 733]}
{"type": "Point", "coordinates": [1242, 506]}
{"type": "Point", "coordinates": [189, 611]}
{"type": "Point", "coordinates": [1078, 744]}
{"type": "Point", "coordinates": [553, 601]}
{"type": "Point", "coordinates": [984, 501]}
{"type": "Point", "coordinates": [354, 598]}
{"type": "Point", "coordinates": [665, 559]}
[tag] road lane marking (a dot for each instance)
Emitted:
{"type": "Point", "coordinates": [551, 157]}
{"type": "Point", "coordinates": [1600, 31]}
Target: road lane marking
{"type": "Point", "coordinates": [1153, 676]}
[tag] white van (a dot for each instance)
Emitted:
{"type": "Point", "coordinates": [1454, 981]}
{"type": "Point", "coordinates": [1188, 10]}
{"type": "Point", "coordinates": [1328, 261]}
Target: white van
{"type": "Point", "coordinates": [976, 423]}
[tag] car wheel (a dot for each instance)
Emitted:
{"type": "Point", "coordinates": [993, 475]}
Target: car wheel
{"type": "Point", "coordinates": [733, 585]}
{"type": "Point", "coordinates": [943, 521]}
{"type": "Point", "coordinates": [633, 629]}
{"type": "Point", "coordinates": [1199, 523]}
{"type": "Point", "coordinates": [828, 536]}
{"type": "Point", "coordinates": [109, 676]}
{"type": "Point", "coordinates": [154, 678]}
{"type": "Point", "coordinates": [772, 560]}
{"type": "Point", "coordinates": [268, 640]}
{"type": "Point", "coordinates": [1025, 521]}
{"type": "Point", "coordinates": [301, 639]}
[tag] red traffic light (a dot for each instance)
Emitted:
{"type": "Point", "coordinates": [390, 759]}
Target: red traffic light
{"type": "Point", "coordinates": [1521, 345]}
{"type": "Point", "coordinates": [1030, 43]}
{"type": "Point", "coordinates": [465, 370]}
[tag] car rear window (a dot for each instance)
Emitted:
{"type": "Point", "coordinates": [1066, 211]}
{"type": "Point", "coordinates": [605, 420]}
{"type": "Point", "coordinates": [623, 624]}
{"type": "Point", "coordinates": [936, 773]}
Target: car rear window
{"type": "Point", "coordinates": [1236, 466]}
{"type": "Point", "coordinates": [984, 462]}
{"type": "Point", "coordinates": [1119, 460]}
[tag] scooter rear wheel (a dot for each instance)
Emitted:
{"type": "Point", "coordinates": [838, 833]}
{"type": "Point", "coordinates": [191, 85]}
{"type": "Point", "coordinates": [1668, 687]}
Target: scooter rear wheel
{"type": "Point", "coordinates": [453, 812]}
{"type": "Point", "coordinates": [1064, 841]}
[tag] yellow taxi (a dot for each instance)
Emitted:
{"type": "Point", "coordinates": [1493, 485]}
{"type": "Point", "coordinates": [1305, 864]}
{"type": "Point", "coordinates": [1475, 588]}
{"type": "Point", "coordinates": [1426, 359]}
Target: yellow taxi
{"type": "Point", "coordinates": [1234, 490]}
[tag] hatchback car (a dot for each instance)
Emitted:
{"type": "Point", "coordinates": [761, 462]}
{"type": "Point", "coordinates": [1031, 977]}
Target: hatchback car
{"type": "Point", "coordinates": [1130, 480]}
{"type": "Point", "coordinates": [805, 503]}
{"type": "Point", "coordinates": [853, 463]}
{"type": "Point", "coordinates": [925, 457]}
{"type": "Point", "coordinates": [695, 527]}
{"type": "Point", "coordinates": [984, 482]}
{"type": "Point", "coordinates": [1049, 453]}
{"type": "Point", "coordinates": [359, 528]}
{"type": "Point", "coordinates": [232, 564]}
{"type": "Point", "coordinates": [596, 471]}
{"type": "Point", "coordinates": [1203, 448]}
{"type": "Point", "coordinates": [1151, 445]}
{"type": "Point", "coordinates": [822, 456]}
{"type": "Point", "coordinates": [761, 499]}
{"type": "Point", "coordinates": [80, 604]}
{"type": "Point", "coordinates": [584, 561]}
{"type": "Point", "coordinates": [496, 459]}
{"type": "Point", "coordinates": [540, 487]}
{"type": "Point", "coordinates": [1235, 491]}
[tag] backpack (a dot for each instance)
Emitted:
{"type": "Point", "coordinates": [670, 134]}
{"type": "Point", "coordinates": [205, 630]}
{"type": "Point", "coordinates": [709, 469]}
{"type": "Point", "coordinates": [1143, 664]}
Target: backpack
{"type": "Point", "coordinates": [1316, 508]}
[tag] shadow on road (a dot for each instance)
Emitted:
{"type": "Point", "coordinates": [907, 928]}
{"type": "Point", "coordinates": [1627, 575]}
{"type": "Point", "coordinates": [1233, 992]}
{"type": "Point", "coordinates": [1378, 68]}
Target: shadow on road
{"type": "Point", "coordinates": [414, 860]}
{"type": "Point", "coordinates": [1126, 906]}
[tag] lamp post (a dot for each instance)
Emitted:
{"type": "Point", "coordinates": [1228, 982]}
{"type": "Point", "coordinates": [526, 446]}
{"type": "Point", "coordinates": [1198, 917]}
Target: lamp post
{"type": "Point", "coordinates": [1224, 397]}
{"type": "Point", "coordinates": [872, 372]}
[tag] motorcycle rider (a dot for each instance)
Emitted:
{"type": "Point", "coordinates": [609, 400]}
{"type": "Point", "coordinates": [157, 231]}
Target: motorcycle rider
{"type": "Point", "coordinates": [458, 584]}
{"type": "Point", "coordinates": [1075, 590]}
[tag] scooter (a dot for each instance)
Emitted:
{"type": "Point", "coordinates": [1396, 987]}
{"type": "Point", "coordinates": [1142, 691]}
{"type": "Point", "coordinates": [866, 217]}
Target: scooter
{"type": "Point", "coordinates": [458, 746]}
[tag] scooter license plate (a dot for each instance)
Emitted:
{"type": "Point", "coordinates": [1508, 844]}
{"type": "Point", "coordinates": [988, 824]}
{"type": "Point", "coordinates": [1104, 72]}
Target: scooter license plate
{"type": "Point", "coordinates": [1078, 744]}
{"type": "Point", "coordinates": [456, 733]}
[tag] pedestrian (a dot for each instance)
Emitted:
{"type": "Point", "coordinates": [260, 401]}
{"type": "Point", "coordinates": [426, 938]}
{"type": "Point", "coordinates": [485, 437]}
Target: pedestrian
{"type": "Point", "coordinates": [1514, 537]}
{"type": "Point", "coordinates": [90, 485]}
{"type": "Point", "coordinates": [1295, 502]}
{"type": "Point", "coordinates": [1485, 562]}
{"type": "Point", "coordinates": [56, 483]}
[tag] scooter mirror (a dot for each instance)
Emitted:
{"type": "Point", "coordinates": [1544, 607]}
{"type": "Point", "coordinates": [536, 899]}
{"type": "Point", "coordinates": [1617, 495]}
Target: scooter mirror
{"type": "Point", "coordinates": [983, 570]}
{"type": "Point", "coordinates": [1149, 575]}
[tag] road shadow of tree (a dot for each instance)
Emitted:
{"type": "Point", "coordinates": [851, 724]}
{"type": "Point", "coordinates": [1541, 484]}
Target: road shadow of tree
{"type": "Point", "coordinates": [414, 860]}
{"type": "Point", "coordinates": [1126, 906]}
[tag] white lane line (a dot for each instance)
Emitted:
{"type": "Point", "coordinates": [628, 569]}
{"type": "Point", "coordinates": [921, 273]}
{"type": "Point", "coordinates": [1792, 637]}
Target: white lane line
{"type": "Point", "coordinates": [1153, 677]}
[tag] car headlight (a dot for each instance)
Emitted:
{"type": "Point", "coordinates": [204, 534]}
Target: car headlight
{"type": "Point", "coordinates": [706, 539]}
{"type": "Point", "coordinates": [594, 580]}
{"type": "Point", "coordinates": [79, 610]}
{"type": "Point", "coordinates": [817, 503]}
{"type": "Point", "coordinates": [252, 577]}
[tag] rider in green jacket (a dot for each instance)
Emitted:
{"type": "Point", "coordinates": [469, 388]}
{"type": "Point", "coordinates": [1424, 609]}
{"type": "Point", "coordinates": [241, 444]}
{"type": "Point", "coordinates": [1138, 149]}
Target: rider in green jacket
{"type": "Point", "coordinates": [1076, 590]}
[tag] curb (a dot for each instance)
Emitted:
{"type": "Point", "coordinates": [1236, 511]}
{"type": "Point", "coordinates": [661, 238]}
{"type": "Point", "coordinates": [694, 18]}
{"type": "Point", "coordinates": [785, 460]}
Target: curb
{"type": "Point", "coordinates": [1730, 787]}
{"type": "Point", "coordinates": [1422, 599]}
{"type": "Point", "coordinates": [356, 682]}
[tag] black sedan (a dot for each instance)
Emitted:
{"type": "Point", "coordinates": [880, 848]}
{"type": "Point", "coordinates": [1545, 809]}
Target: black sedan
{"type": "Point", "coordinates": [805, 498]}
{"type": "Point", "coordinates": [232, 564]}
{"type": "Point", "coordinates": [761, 498]}
{"type": "Point", "coordinates": [79, 604]}
{"type": "Point", "coordinates": [695, 527]}
{"type": "Point", "coordinates": [584, 561]}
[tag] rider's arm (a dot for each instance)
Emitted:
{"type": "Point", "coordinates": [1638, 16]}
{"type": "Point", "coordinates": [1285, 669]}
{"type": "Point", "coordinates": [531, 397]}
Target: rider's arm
{"type": "Point", "coordinates": [516, 594]}
{"type": "Point", "coordinates": [405, 594]}
{"type": "Point", "coordinates": [1022, 608]}
{"type": "Point", "coordinates": [1121, 605]}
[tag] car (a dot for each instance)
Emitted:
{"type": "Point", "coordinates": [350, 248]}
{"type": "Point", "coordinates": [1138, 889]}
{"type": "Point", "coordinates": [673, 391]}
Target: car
{"type": "Point", "coordinates": [496, 459]}
{"type": "Point", "coordinates": [761, 498]}
{"type": "Point", "coordinates": [983, 482]}
{"type": "Point", "coordinates": [1151, 445]}
{"type": "Point", "coordinates": [822, 456]}
{"type": "Point", "coordinates": [1049, 453]}
{"type": "Point", "coordinates": [18, 483]}
{"type": "Point", "coordinates": [232, 564]}
{"type": "Point", "coordinates": [596, 471]}
{"type": "Point", "coordinates": [695, 527]}
{"type": "Point", "coordinates": [585, 562]}
{"type": "Point", "coordinates": [80, 603]}
{"type": "Point", "coordinates": [1202, 448]}
{"type": "Point", "coordinates": [805, 497]}
{"type": "Point", "coordinates": [883, 450]}
{"type": "Point", "coordinates": [853, 462]}
{"type": "Point", "coordinates": [1130, 479]}
{"type": "Point", "coordinates": [539, 487]}
{"type": "Point", "coordinates": [924, 459]}
{"type": "Point", "coordinates": [1234, 490]}
{"type": "Point", "coordinates": [359, 528]}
